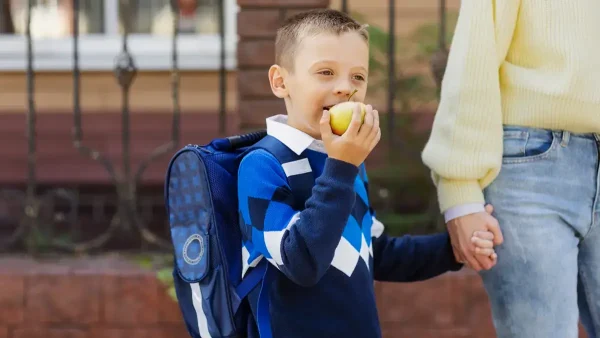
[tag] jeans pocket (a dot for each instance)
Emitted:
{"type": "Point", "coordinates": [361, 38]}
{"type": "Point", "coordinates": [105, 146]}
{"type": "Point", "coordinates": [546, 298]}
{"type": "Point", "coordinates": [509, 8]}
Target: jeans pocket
{"type": "Point", "coordinates": [527, 144]}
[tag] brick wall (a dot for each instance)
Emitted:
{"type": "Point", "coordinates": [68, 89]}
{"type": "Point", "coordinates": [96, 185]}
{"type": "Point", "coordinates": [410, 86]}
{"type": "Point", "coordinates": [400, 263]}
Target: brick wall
{"type": "Point", "coordinates": [257, 22]}
{"type": "Point", "coordinates": [110, 297]}
{"type": "Point", "coordinates": [104, 297]}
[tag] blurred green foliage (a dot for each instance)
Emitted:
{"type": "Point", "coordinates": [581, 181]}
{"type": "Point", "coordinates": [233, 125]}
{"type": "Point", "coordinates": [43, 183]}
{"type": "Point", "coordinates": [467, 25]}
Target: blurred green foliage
{"type": "Point", "coordinates": [162, 265]}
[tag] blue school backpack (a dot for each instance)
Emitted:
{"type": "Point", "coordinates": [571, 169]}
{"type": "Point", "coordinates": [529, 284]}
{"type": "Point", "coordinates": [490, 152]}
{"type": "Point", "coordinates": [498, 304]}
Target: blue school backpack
{"type": "Point", "coordinates": [201, 203]}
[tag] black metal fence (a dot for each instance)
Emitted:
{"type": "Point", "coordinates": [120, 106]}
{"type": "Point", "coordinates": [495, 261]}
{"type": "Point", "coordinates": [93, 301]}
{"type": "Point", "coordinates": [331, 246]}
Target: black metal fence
{"type": "Point", "coordinates": [55, 218]}
{"type": "Point", "coordinates": [403, 193]}
{"type": "Point", "coordinates": [438, 61]}
{"type": "Point", "coordinates": [52, 219]}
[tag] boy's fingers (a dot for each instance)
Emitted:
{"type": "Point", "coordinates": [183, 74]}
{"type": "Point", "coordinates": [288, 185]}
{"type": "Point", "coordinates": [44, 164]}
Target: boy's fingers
{"type": "Point", "coordinates": [376, 139]}
{"type": "Point", "coordinates": [356, 122]}
{"type": "Point", "coordinates": [484, 251]}
{"type": "Point", "coordinates": [468, 254]}
{"type": "Point", "coordinates": [367, 126]}
{"type": "Point", "coordinates": [376, 116]}
{"type": "Point", "coordinates": [375, 128]}
{"type": "Point", "coordinates": [369, 108]}
{"type": "Point", "coordinates": [482, 243]}
{"type": "Point", "coordinates": [489, 208]}
{"type": "Point", "coordinates": [325, 127]}
{"type": "Point", "coordinates": [484, 235]}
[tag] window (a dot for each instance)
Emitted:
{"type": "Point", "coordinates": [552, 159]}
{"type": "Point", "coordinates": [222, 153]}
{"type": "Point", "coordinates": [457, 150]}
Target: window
{"type": "Point", "coordinates": [101, 25]}
{"type": "Point", "coordinates": [156, 17]}
{"type": "Point", "coordinates": [53, 19]}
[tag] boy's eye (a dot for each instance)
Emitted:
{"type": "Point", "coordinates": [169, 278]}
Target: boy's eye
{"type": "Point", "coordinates": [359, 77]}
{"type": "Point", "coordinates": [326, 72]}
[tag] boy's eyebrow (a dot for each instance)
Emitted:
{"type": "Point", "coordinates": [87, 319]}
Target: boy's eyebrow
{"type": "Point", "coordinates": [316, 63]}
{"type": "Point", "coordinates": [363, 69]}
{"type": "Point", "coordinates": [333, 61]}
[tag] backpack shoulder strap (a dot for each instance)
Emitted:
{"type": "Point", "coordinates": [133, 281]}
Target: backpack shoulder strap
{"type": "Point", "coordinates": [296, 167]}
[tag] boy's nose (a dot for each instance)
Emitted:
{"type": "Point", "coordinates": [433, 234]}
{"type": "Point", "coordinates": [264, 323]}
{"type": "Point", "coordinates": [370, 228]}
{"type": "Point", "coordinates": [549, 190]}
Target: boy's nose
{"type": "Point", "coordinates": [343, 90]}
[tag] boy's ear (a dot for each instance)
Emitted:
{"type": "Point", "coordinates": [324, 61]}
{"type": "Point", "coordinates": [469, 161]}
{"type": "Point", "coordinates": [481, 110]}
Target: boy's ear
{"type": "Point", "coordinates": [277, 75]}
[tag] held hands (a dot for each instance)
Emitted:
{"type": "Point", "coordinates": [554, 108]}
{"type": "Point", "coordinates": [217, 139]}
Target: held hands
{"type": "Point", "coordinates": [359, 139]}
{"type": "Point", "coordinates": [473, 239]}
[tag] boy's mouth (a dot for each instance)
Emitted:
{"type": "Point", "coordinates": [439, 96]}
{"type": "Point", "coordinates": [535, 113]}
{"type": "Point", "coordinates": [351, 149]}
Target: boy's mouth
{"type": "Point", "coordinates": [328, 107]}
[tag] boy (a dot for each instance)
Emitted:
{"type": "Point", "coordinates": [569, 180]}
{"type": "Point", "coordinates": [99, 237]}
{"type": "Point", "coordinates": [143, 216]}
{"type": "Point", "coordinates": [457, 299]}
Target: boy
{"type": "Point", "coordinates": [326, 252]}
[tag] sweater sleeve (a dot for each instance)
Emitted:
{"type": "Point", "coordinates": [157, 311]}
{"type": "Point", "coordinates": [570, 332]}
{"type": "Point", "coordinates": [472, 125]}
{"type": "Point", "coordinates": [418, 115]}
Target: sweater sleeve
{"type": "Point", "coordinates": [412, 258]}
{"type": "Point", "coordinates": [408, 258]}
{"type": "Point", "coordinates": [464, 151]}
{"type": "Point", "coordinates": [301, 244]}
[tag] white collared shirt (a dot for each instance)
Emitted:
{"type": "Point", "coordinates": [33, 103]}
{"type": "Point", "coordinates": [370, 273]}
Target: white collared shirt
{"type": "Point", "coordinates": [298, 141]}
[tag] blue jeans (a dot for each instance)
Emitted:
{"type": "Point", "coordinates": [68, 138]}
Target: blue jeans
{"type": "Point", "coordinates": [546, 199]}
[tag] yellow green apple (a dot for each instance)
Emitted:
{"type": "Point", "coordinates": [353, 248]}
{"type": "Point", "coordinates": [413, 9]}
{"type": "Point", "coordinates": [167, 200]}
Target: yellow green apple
{"type": "Point", "coordinates": [340, 116]}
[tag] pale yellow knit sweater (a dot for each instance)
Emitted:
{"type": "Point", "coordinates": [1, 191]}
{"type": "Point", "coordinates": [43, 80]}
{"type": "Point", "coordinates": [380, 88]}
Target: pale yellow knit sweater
{"type": "Point", "coordinates": [518, 62]}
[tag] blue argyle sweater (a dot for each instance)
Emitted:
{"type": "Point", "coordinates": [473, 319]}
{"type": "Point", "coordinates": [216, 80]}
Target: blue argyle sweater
{"type": "Point", "coordinates": [328, 250]}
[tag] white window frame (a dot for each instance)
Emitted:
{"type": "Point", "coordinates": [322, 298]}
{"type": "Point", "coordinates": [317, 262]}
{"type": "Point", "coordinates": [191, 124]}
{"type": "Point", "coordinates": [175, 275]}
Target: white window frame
{"type": "Point", "coordinates": [97, 52]}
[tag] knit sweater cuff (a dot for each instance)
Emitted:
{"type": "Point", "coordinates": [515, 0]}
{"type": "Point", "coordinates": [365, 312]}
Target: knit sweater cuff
{"type": "Point", "coordinates": [453, 265]}
{"type": "Point", "coordinates": [340, 170]}
{"type": "Point", "coordinates": [454, 192]}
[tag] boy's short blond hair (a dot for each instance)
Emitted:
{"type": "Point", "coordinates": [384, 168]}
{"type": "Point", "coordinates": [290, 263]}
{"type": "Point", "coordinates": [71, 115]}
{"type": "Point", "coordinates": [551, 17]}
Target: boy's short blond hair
{"type": "Point", "coordinates": [313, 22]}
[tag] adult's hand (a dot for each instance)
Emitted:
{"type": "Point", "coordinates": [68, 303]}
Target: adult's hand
{"type": "Point", "coordinates": [461, 231]}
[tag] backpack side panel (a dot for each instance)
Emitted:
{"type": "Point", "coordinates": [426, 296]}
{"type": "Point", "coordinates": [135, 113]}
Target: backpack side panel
{"type": "Point", "coordinates": [201, 201]}
{"type": "Point", "coordinates": [197, 220]}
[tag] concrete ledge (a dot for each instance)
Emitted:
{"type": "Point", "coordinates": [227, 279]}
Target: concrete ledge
{"type": "Point", "coordinates": [113, 297]}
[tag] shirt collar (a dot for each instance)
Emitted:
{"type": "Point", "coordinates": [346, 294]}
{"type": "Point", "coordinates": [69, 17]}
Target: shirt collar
{"type": "Point", "coordinates": [293, 138]}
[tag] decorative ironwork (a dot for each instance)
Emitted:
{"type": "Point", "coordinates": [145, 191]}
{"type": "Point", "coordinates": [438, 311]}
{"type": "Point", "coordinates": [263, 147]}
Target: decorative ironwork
{"type": "Point", "coordinates": [392, 72]}
{"type": "Point", "coordinates": [125, 69]}
{"type": "Point", "coordinates": [345, 6]}
{"type": "Point", "coordinates": [222, 71]}
{"type": "Point", "coordinates": [3, 17]}
{"type": "Point", "coordinates": [40, 215]}
{"type": "Point", "coordinates": [442, 37]}
{"type": "Point", "coordinates": [440, 58]}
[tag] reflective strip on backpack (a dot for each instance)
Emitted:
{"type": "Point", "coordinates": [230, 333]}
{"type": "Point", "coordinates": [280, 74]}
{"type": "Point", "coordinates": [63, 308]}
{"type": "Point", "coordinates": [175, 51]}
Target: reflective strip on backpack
{"type": "Point", "coordinates": [197, 301]}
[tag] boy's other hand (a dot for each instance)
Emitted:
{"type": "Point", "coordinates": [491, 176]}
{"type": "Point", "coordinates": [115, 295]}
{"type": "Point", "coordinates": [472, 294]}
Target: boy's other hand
{"type": "Point", "coordinates": [471, 236]}
{"type": "Point", "coordinates": [484, 243]}
{"type": "Point", "coordinates": [359, 139]}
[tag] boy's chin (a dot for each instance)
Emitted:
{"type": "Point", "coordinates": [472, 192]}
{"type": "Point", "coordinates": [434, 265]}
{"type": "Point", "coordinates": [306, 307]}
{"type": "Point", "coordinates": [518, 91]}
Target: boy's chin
{"type": "Point", "coordinates": [315, 132]}
{"type": "Point", "coordinates": [317, 137]}
{"type": "Point", "coordinates": [311, 128]}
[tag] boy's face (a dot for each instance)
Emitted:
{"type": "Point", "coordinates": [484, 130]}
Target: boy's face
{"type": "Point", "coordinates": [327, 69]}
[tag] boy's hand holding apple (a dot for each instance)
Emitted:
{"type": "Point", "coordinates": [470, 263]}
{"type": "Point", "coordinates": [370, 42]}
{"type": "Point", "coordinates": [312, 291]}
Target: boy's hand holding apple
{"type": "Point", "coordinates": [358, 125]}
